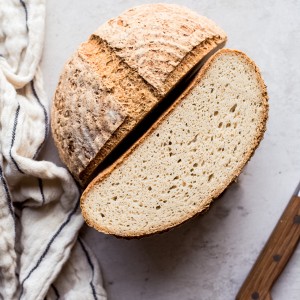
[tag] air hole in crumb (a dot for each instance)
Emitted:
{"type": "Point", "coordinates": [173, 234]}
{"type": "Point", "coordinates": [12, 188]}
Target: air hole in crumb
{"type": "Point", "coordinates": [232, 109]}
{"type": "Point", "coordinates": [176, 177]}
{"type": "Point", "coordinates": [158, 207]}
{"type": "Point", "coordinates": [211, 90]}
{"type": "Point", "coordinates": [149, 188]}
{"type": "Point", "coordinates": [210, 177]}
{"type": "Point", "coordinates": [228, 125]}
{"type": "Point", "coordinates": [216, 113]}
{"type": "Point", "coordinates": [195, 165]}
{"type": "Point", "coordinates": [157, 134]}
{"type": "Point", "coordinates": [220, 124]}
{"type": "Point", "coordinates": [173, 187]}
{"type": "Point", "coordinates": [115, 198]}
{"type": "Point", "coordinates": [102, 215]}
{"type": "Point", "coordinates": [179, 160]}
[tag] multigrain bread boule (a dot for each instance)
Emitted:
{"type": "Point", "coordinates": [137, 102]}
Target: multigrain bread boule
{"type": "Point", "coordinates": [191, 154]}
{"type": "Point", "coordinates": [115, 78]}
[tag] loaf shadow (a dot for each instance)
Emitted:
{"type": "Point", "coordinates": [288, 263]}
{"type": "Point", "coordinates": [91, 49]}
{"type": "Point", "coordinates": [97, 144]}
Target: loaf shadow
{"type": "Point", "coordinates": [168, 252]}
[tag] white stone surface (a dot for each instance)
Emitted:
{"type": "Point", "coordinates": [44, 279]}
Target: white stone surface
{"type": "Point", "coordinates": [210, 256]}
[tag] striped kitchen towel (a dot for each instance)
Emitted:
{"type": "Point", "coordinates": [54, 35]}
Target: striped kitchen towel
{"type": "Point", "coordinates": [41, 256]}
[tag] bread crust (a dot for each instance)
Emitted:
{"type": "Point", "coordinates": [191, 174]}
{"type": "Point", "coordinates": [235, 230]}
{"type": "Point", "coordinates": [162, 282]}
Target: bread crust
{"type": "Point", "coordinates": [134, 44]}
{"type": "Point", "coordinates": [154, 39]}
{"type": "Point", "coordinates": [259, 136]}
{"type": "Point", "coordinates": [90, 109]}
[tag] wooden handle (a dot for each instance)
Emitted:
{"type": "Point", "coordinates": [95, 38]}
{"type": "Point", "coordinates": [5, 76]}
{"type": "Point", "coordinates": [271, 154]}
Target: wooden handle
{"type": "Point", "coordinates": [274, 256]}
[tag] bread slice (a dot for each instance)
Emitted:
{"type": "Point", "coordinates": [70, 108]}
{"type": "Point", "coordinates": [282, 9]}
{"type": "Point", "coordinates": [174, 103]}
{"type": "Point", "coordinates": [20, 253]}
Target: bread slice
{"type": "Point", "coordinates": [195, 150]}
{"type": "Point", "coordinates": [115, 78]}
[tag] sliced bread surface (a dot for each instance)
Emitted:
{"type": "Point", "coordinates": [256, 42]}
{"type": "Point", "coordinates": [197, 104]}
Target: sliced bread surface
{"type": "Point", "coordinates": [195, 150]}
{"type": "Point", "coordinates": [125, 68]}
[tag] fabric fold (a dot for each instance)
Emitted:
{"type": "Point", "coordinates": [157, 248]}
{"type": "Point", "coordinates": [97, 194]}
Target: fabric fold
{"type": "Point", "coordinates": [40, 254]}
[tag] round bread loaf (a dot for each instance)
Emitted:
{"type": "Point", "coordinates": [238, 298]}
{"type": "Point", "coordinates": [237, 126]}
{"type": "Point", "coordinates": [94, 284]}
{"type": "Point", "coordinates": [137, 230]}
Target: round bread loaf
{"type": "Point", "coordinates": [188, 157]}
{"type": "Point", "coordinates": [124, 70]}
{"type": "Point", "coordinates": [197, 146]}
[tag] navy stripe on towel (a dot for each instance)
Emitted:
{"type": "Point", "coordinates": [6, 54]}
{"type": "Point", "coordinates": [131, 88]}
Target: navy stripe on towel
{"type": "Point", "coordinates": [41, 190]}
{"type": "Point", "coordinates": [91, 265]}
{"type": "Point", "coordinates": [26, 13]}
{"type": "Point", "coordinates": [62, 226]}
{"type": "Point", "coordinates": [14, 137]}
{"type": "Point", "coordinates": [55, 291]}
{"type": "Point", "coordinates": [8, 198]}
{"type": "Point", "coordinates": [45, 118]}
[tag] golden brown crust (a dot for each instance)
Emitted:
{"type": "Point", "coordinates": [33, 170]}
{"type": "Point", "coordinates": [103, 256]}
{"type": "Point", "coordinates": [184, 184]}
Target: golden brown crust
{"type": "Point", "coordinates": [82, 108]}
{"type": "Point", "coordinates": [136, 58]}
{"type": "Point", "coordinates": [259, 135]}
{"type": "Point", "coordinates": [154, 39]}
{"type": "Point", "coordinates": [132, 92]}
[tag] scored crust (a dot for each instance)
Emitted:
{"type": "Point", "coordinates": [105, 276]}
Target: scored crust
{"type": "Point", "coordinates": [205, 204]}
{"type": "Point", "coordinates": [130, 64]}
{"type": "Point", "coordinates": [153, 39]}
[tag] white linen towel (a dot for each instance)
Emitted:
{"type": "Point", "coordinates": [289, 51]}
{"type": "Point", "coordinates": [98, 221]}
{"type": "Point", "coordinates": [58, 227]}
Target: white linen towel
{"type": "Point", "coordinates": [40, 254]}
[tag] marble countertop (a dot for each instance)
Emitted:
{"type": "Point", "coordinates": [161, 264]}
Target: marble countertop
{"type": "Point", "coordinates": [210, 256]}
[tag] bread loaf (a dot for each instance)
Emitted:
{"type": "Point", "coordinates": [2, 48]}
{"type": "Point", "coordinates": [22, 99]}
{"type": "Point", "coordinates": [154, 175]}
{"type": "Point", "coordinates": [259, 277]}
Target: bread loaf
{"type": "Point", "coordinates": [195, 150]}
{"type": "Point", "coordinates": [115, 78]}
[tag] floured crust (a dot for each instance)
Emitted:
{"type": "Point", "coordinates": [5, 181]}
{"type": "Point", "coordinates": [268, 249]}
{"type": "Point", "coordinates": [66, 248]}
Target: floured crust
{"type": "Point", "coordinates": [153, 39]}
{"type": "Point", "coordinates": [135, 60]}
{"type": "Point", "coordinates": [259, 135]}
{"type": "Point", "coordinates": [83, 107]}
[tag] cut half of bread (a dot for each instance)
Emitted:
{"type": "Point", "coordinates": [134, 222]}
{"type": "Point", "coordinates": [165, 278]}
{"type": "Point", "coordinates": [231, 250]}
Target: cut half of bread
{"type": "Point", "coordinates": [120, 74]}
{"type": "Point", "coordinates": [188, 158]}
